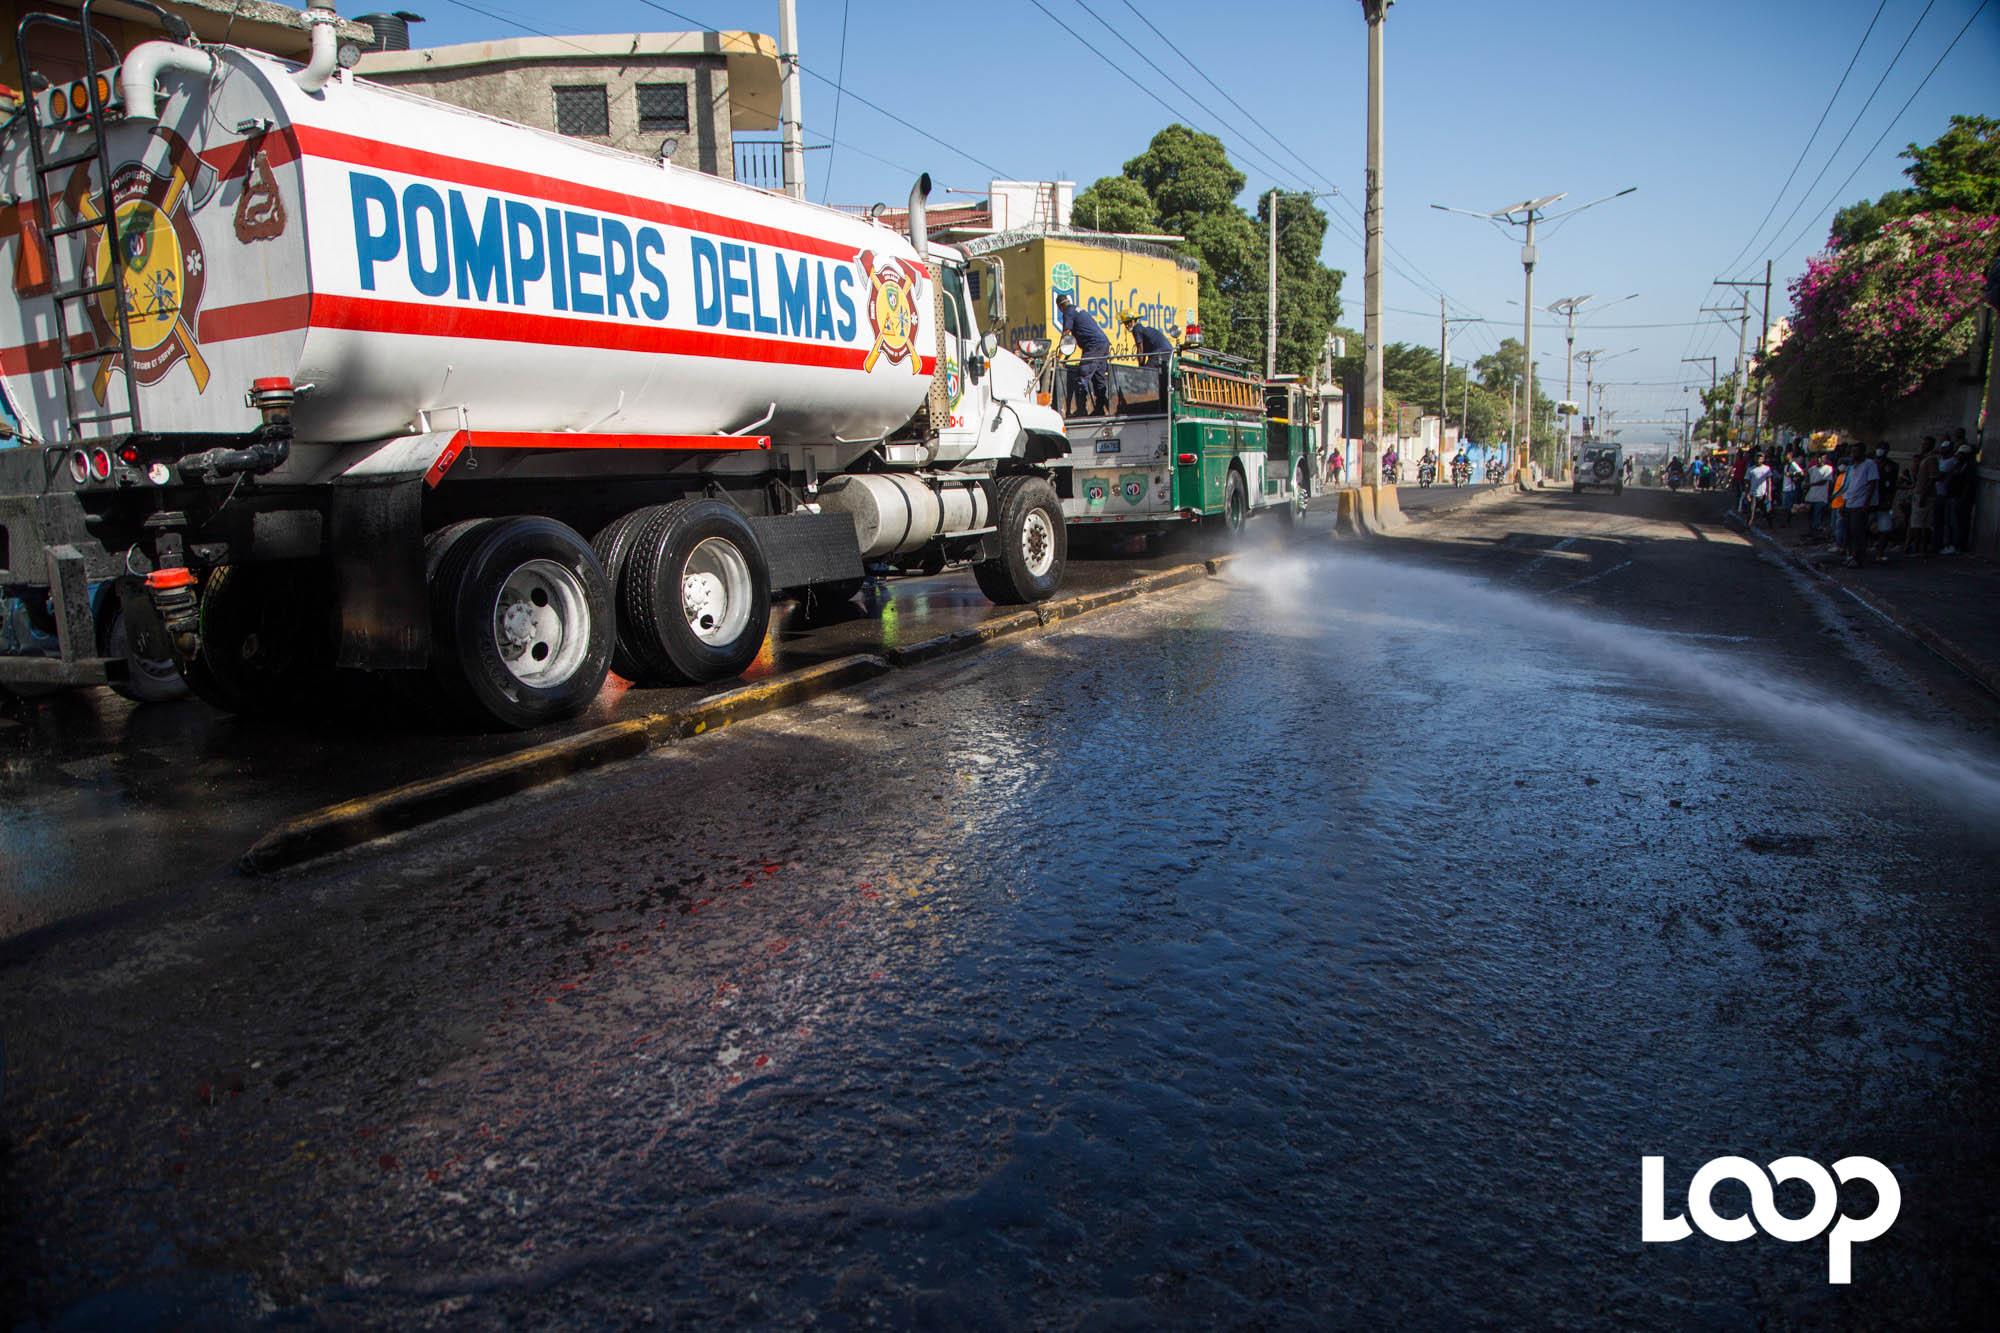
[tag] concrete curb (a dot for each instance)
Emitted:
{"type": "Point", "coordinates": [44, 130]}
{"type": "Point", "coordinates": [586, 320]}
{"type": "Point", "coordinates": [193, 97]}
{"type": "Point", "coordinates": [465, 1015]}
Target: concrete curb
{"type": "Point", "coordinates": [351, 823]}
{"type": "Point", "coordinates": [1981, 672]}
{"type": "Point", "coordinates": [348, 824]}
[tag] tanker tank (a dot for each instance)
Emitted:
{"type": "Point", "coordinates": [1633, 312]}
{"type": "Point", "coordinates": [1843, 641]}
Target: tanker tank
{"type": "Point", "coordinates": [407, 259]}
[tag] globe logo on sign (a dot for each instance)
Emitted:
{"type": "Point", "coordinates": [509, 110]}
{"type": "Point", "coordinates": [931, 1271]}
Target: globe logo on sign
{"type": "Point", "coordinates": [1062, 278]}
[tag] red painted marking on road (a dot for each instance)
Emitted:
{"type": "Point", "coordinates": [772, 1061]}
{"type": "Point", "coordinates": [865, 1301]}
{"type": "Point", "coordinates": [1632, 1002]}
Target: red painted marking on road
{"type": "Point", "coordinates": [763, 1060]}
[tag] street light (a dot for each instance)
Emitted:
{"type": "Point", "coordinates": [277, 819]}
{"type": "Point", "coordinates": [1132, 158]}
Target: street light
{"type": "Point", "coordinates": [1531, 211]}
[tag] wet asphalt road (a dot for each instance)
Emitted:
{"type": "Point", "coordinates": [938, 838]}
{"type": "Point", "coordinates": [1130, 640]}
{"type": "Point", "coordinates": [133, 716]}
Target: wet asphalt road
{"type": "Point", "coordinates": [1322, 949]}
{"type": "Point", "coordinates": [104, 803]}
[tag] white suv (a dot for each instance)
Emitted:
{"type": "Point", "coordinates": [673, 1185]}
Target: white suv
{"type": "Point", "coordinates": [1600, 465]}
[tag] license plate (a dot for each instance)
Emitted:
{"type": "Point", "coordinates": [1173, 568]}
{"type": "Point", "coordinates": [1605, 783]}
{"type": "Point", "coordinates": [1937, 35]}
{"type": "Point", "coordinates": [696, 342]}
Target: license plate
{"type": "Point", "coordinates": [1110, 446]}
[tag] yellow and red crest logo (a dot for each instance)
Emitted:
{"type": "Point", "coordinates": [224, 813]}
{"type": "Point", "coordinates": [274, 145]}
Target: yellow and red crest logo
{"type": "Point", "coordinates": [892, 310]}
{"type": "Point", "coordinates": [152, 250]}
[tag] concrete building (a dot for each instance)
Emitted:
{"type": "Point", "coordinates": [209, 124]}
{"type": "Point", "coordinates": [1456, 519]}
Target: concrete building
{"type": "Point", "coordinates": [633, 91]}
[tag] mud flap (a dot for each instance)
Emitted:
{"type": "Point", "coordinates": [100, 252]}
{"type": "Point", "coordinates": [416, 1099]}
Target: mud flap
{"type": "Point", "coordinates": [803, 549]}
{"type": "Point", "coordinates": [378, 573]}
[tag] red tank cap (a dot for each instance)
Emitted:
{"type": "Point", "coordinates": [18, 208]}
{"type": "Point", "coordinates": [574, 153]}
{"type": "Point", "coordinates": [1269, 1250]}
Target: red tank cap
{"type": "Point", "coordinates": [272, 382]}
{"type": "Point", "coordinates": [162, 579]}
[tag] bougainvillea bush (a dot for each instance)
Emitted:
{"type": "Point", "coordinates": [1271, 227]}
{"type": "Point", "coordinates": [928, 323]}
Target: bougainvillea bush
{"type": "Point", "coordinates": [1873, 323]}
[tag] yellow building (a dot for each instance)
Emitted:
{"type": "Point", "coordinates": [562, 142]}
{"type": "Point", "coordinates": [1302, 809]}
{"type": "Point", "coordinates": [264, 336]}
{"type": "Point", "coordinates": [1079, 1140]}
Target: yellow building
{"type": "Point", "coordinates": [1105, 275]}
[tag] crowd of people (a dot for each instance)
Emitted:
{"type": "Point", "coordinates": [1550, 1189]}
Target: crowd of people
{"type": "Point", "coordinates": [1858, 497]}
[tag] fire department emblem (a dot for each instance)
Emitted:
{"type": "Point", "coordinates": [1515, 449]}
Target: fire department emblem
{"type": "Point", "coordinates": [152, 250]}
{"type": "Point", "coordinates": [1096, 490]}
{"type": "Point", "coordinates": [1132, 488]}
{"type": "Point", "coordinates": [892, 310]}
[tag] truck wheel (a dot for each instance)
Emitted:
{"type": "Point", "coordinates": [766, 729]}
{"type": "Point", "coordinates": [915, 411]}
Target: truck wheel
{"type": "Point", "coordinates": [613, 545]}
{"type": "Point", "coordinates": [148, 680]}
{"type": "Point", "coordinates": [696, 596]}
{"type": "Point", "coordinates": [521, 623]}
{"type": "Point", "coordinates": [1034, 544]}
{"type": "Point", "coordinates": [263, 636]}
{"type": "Point", "coordinates": [1235, 515]}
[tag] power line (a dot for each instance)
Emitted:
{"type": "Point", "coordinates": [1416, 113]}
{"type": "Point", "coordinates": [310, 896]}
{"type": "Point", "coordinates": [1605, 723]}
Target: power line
{"type": "Point", "coordinates": [1835, 154]}
{"type": "Point", "coordinates": [1810, 138]}
{"type": "Point", "coordinates": [840, 73]}
{"type": "Point", "coordinates": [1921, 85]}
{"type": "Point", "coordinates": [804, 69]}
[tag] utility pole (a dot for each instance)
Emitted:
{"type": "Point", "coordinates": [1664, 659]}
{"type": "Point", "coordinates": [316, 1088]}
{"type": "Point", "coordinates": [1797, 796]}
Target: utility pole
{"type": "Point", "coordinates": [1514, 422]}
{"type": "Point", "coordinates": [1531, 211]}
{"type": "Point", "coordinates": [1711, 380]}
{"type": "Point", "coordinates": [789, 116]}
{"type": "Point", "coordinates": [1444, 371]}
{"type": "Point", "coordinates": [1465, 404]}
{"type": "Point", "coordinates": [1271, 303]}
{"type": "Point", "coordinates": [1371, 265]}
{"type": "Point", "coordinates": [1742, 343]}
{"type": "Point", "coordinates": [1763, 347]}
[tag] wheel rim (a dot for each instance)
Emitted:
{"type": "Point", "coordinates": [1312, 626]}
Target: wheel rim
{"type": "Point", "coordinates": [715, 591]}
{"type": "Point", "coordinates": [541, 623]}
{"type": "Point", "coordinates": [1038, 543]}
{"type": "Point", "coordinates": [158, 670]}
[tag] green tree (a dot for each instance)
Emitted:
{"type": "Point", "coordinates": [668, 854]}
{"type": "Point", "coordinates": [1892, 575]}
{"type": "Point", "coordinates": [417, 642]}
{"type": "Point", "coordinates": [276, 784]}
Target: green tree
{"type": "Point", "coordinates": [1714, 422]}
{"type": "Point", "coordinates": [1118, 204]}
{"type": "Point", "coordinates": [1184, 184]}
{"type": "Point", "coordinates": [1961, 170]}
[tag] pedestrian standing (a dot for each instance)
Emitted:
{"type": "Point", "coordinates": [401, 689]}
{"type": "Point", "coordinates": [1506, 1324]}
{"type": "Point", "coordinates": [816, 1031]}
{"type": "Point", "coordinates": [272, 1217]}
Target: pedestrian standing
{"type": "Point", "coordinates": [1794, 475]}
{"type": "Point", "coordinates": [1859, 494]}
{"type": "Point", "coordinates": [1882, 518]}
{"type": "Point", "coordinates": [1819, 490]}
{"type": "Point", "coordinates": [1923, 499]}
{"type": "Point", "coordinates": [1955, 526]}
{"type": "Point", "coordinates": [1757, 489]}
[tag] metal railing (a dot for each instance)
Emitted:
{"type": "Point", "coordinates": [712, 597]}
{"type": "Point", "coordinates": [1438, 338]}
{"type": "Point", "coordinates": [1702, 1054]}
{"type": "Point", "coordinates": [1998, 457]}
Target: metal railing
{"type": "Point", "coordinates": [760, 162]}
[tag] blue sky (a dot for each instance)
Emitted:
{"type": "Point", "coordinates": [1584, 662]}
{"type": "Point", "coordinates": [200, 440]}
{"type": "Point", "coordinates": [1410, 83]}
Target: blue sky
{"type": "Point", "coordinates": [1705, 106]}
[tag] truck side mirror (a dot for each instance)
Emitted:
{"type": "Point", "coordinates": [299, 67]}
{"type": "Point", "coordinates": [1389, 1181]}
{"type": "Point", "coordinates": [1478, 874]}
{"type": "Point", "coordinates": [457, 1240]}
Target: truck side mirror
{"type": "Point", "coordinates": [996, 292]}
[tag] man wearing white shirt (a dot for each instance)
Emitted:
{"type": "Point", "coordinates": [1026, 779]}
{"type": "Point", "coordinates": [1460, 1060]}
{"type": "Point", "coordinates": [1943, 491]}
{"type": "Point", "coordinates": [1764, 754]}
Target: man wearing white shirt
{"type": "Point", "coordinates": [1757, 489]}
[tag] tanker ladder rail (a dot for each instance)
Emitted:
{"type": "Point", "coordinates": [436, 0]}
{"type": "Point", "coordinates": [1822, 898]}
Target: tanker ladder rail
{"type": "Point", "coordinates": [88, 147]}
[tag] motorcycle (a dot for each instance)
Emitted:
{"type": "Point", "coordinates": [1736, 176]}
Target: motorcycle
{"type": "Point", "coordinates": [1461, 473]}
{"type": "Point", "coordinates": [1426, 473]}
{"type": "Point", "coordinates": [1389, 473]}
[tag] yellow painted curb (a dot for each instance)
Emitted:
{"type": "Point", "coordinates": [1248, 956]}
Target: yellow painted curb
{"type": "Point", "coordinates": [351, 823]}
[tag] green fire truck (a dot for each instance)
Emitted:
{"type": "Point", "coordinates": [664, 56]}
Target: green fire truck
{"type": "Point", "coordinates": [1202, 441]}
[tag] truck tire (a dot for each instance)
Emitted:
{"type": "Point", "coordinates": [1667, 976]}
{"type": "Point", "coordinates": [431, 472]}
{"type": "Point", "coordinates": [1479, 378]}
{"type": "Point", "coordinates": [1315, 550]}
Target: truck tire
{"type": "Point", "coordinates": [1235, 516]}
{"type": "Point", "coordinates": [264, 636]}
{"type": "Point", "coordinates": [613, 545]}
{"type": "Point", "coordinates": [695, 600]}
{"type": "Point", "coordinates": [1034, 544]}
{"type": "Point", "coordinates": [148, 680]}
{"type": "Point", "coordinates": [521, 623]}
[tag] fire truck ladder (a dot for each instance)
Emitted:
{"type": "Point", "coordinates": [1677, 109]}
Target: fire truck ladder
{"type": "Point", "coordinates": [86, 145]}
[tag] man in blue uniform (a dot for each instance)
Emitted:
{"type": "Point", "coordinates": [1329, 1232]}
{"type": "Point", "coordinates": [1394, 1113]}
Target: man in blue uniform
{"type": "Point", "coordinates": [1151, 345]}
{"type": "Point", "coordinates": [1089, 385]}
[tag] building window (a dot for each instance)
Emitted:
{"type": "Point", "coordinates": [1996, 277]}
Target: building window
{"type": "Point", "coordinates": [663, 106]}
{"type": "Point", "coordinates": [582, 109]}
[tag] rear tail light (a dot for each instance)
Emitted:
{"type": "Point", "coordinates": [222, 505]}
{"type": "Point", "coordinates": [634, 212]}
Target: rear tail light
{"type": "Point", "coordinates": [129, 455]}
{"type": "Point", "coordinates": [1185, 460]}
{"type": "Point", "coordinates": [100, 464]}
{"type": "Point", "coordinates": [79, 467]}
{"type": "Point", "coordinates": [79, 98]}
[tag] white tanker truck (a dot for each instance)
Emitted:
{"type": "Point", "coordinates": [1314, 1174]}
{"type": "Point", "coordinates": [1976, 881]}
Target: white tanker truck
{"type": "Point", "coordinates": [323, 374]}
